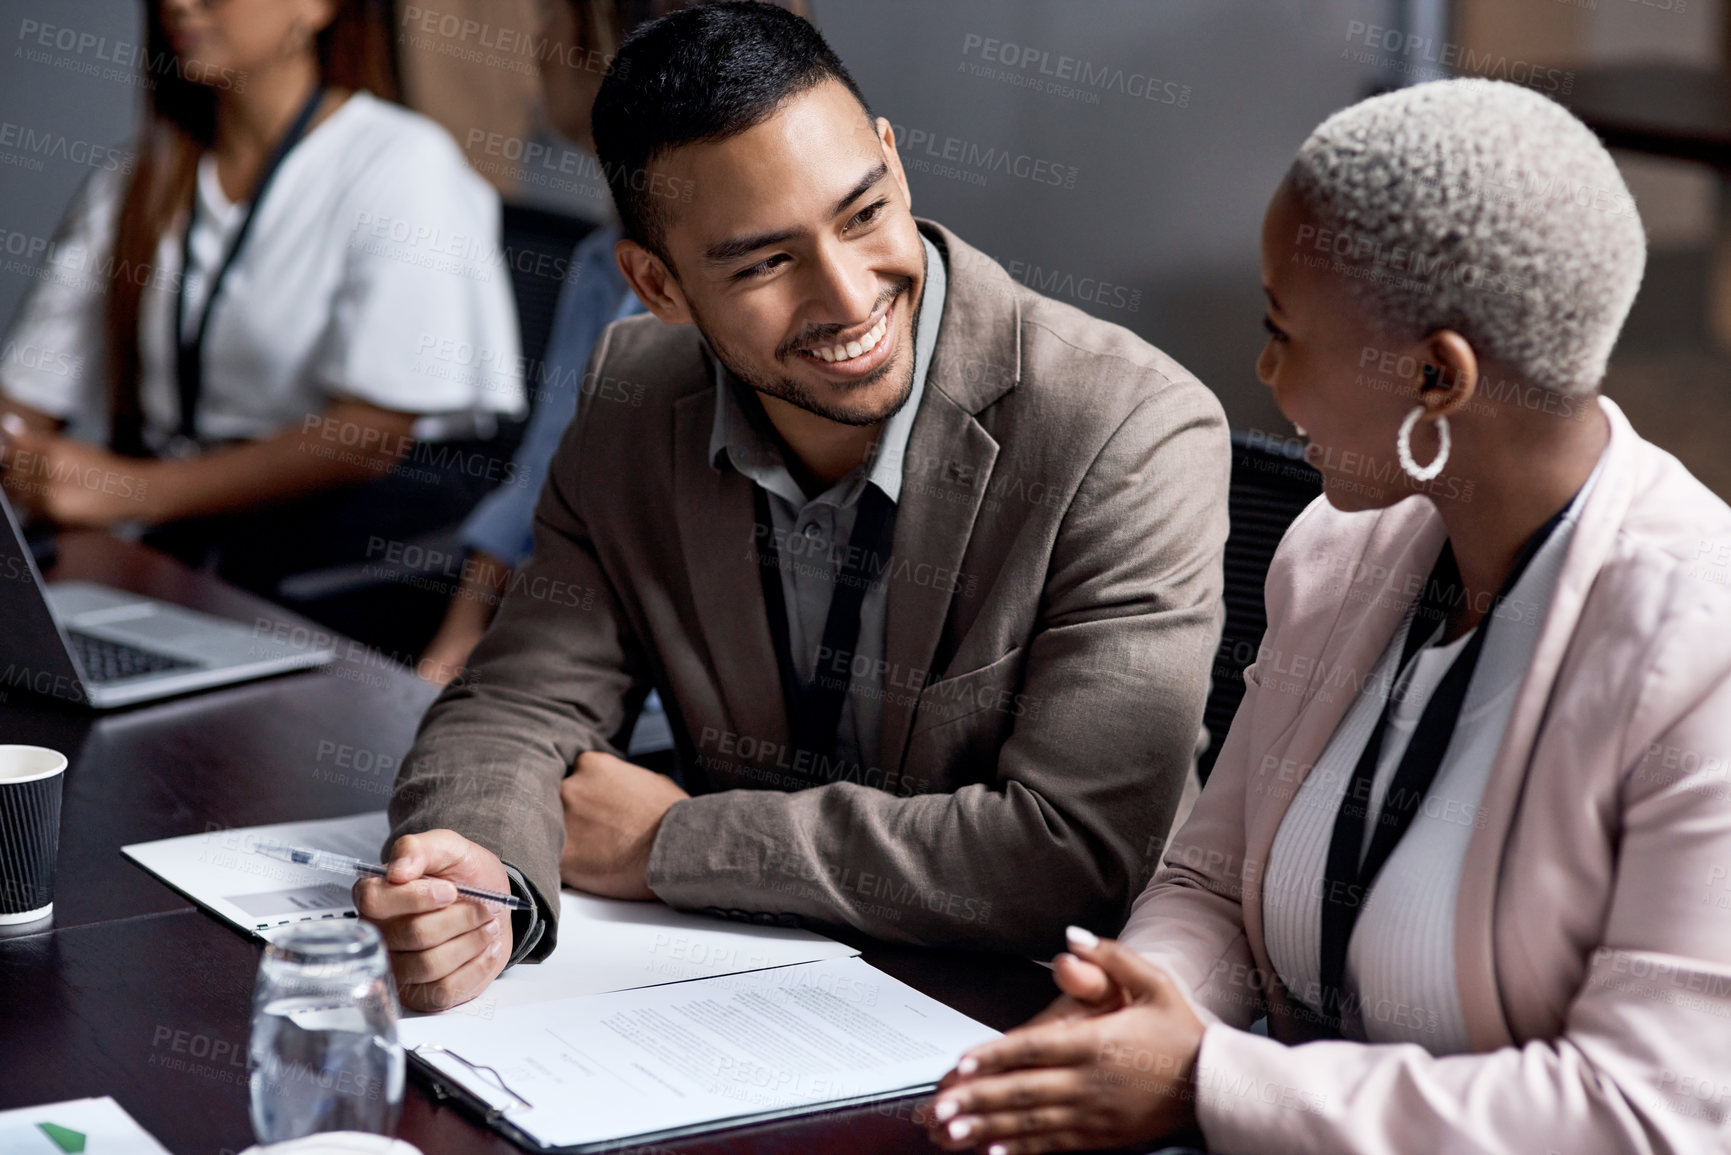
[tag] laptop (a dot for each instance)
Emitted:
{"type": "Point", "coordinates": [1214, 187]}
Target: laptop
{"type": "Point", "coordinates": [82, 642]}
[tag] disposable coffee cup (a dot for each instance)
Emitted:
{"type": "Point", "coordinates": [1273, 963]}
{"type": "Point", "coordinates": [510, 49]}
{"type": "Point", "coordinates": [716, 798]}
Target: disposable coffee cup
{"type": "Point", "coordinates": [30, 780]}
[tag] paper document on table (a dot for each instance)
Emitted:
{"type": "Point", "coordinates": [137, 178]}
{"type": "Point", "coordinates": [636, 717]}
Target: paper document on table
{"type": "Point", "coordinates": [635, 1065]}
{"type": "Point", "coordinates": [604, 944]}
{"type": "Point", "coordinates": [93, 1125]}
{"type": "Point", "coordinates": [609, 945]}
{"type": "Point", "coordinates": [221, 872]}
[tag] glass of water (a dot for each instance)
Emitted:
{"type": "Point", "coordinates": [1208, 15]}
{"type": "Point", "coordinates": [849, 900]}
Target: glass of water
{"type": "Point", "coordinates": [324, 1053]}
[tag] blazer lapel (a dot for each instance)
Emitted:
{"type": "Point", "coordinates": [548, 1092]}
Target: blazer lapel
{"type": "Point", "coordinates": [948, 463]}
{"type": "Point", "coordinates": [1475, 905]}
{"type": "Point", "coordinates": [934, 522]}
{"type": "Point", "coordinates": [1406, 541]}
{"type": "Point", "coordinates": [716, 518]}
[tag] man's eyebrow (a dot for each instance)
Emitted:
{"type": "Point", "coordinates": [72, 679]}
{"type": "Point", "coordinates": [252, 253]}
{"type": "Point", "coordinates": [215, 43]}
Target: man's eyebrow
{"type": "Point", "coordinates": [870, 178]}
{"type": "Point", "coordinates": [726, 252]}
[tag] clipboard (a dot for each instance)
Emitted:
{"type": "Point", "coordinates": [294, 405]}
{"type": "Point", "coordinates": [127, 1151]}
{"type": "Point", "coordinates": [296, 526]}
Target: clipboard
{"type": "Point", "coordinates": [912, 1038]}
{"type": "Point", "coordinates": [497, 1118]}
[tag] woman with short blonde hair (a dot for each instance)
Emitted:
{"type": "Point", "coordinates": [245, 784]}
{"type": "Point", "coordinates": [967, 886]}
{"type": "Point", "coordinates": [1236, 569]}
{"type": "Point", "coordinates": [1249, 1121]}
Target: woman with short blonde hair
{"type": "Point", "coordinates": [1467, 843]}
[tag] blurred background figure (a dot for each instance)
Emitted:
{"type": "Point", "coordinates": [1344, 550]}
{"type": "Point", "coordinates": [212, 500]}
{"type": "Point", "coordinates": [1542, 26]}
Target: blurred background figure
{"type": "Point", "coordinates": [257, 303]}
{"type": "Point", "coordinates": [581, 37]}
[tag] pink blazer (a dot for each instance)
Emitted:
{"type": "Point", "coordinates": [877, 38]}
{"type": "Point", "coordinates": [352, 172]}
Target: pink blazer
{"type": "Point", "coordinates": [1593, 925]}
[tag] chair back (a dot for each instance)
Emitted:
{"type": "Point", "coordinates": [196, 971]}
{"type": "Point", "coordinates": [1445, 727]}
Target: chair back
{"type": "Point", "coordinates": [1271, 485]}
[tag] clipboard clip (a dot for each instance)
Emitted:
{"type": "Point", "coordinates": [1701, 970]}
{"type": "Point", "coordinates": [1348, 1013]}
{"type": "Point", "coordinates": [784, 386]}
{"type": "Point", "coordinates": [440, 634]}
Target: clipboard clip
{"type": "Point", "coordinates": [481, 1069]}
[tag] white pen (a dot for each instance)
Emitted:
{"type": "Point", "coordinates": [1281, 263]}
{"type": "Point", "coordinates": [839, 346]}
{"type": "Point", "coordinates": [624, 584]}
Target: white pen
{"type": "Point", "coordinates": [330, 860]}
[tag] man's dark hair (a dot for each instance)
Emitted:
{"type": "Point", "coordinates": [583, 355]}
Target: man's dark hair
{"type": "Point", "coordinates": [702, 74]}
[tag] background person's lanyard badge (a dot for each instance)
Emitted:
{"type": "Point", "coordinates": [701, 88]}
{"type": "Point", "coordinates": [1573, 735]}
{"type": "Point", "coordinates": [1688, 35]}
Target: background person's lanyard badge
{"type": "Point", "coordinates": [189, 347]}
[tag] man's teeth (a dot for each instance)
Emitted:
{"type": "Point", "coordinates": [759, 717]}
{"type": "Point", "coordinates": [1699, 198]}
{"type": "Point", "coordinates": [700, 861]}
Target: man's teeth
{"type": "Point", "coordinates": [854, 349]}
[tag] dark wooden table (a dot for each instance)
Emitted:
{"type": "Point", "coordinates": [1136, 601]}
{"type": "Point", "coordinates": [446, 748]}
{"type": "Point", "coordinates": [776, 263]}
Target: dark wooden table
{"type": "Point", "coordinates": [133, 992]}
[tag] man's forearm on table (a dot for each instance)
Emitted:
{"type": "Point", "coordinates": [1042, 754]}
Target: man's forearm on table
{"type": "Point", "coordinates": [744, 853]}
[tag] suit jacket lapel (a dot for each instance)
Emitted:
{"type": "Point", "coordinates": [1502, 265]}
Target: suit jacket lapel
{"type": "Point", "coordinates": [934, 522]}
{"type": "Point", "coordinates": [945, 473]}
{"type": "Point", "coordinates": [1601, 518]}
{"type": "Point", "coordinates": [1407, 541]}
{"type": "Point", "coordinates": [716, 518]}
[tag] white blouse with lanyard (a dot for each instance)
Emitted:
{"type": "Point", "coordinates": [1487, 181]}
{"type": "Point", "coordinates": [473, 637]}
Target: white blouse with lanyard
{"type": "Point", "coordinates": [371, 272]}
{"type": "Point", "coordinates": [1399, 978]}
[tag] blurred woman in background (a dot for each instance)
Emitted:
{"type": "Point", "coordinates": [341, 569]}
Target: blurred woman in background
{"type": "Point", "coordinates": [238, 338]}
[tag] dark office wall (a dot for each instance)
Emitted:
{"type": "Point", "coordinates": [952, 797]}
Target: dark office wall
{"type": "Point", "coordinates": [1162, 126]}
{"type": "Point", "coordinates": [68, 71]}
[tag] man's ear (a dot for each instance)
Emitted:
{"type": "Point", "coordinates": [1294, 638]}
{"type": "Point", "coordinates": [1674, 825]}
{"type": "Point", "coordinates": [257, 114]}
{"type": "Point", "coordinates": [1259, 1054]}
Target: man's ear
{"type": "Point", "coordinates": [1455, 373]}
{"type": "Point", "coordinates": [653, 282]}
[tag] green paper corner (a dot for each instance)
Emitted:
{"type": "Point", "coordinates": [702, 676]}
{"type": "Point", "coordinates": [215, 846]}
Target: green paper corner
{"type": "Point", "coordinates": [65, 1138]}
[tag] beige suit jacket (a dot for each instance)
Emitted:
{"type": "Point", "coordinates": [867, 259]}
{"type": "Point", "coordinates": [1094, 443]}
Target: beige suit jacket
{"type": "Point", "coordinates": [1592, 936]}
{"type": "Point", "coordinates": [1054, 606]}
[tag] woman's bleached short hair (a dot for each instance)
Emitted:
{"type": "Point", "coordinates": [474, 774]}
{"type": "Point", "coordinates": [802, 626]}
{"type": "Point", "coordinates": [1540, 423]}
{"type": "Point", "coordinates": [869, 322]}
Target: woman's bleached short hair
{"type": "Point", "coordinates": [1483, 207]}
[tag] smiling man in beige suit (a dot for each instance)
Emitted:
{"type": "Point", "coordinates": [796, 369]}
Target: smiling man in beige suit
{"type": "Point", "coordinates": [925, 566]}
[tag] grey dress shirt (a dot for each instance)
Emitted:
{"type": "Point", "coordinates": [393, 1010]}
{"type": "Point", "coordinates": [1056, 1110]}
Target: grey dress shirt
{"type": "Point", "coordinates": [812, 534]}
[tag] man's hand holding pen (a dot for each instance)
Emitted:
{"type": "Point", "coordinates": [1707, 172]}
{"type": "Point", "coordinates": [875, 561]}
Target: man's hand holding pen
{"type": "Point", "coordinates": [445, 949]}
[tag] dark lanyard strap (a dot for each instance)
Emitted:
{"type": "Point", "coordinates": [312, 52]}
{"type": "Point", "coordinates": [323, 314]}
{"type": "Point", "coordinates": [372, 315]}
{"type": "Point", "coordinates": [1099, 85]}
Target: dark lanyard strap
{"type": "Point", "coordinates": [189, 350]}
{"type": "Point", "coordinates": [1346, 879]}
{"type": "Point", "coordinates": [814, 707]}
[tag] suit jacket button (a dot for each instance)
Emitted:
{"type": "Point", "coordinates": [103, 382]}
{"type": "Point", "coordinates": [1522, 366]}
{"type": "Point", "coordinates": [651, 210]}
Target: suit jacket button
{"type": "Point", "coordinates": [716, 911]}
{"type": "Point", "coordinates": [739, 915]}
{"type": "Point", "coordinates": [764, 918]}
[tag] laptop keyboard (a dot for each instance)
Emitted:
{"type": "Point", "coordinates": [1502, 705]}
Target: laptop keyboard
{"type": "Point", "coordinates": [106, 661]}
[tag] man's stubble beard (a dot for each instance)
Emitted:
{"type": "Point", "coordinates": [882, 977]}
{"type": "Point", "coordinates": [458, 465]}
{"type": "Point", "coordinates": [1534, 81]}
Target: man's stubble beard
{"type": "Point", "coordinates": [794, 393]}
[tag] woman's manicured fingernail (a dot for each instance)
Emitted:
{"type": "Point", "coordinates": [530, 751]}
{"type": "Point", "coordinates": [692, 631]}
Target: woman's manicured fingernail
{"type": "Point", "coordinates": [1078, 937]}
{"type": "Point", "coordinates": [944, 1109]}
{"type": "Point", "coordinates": [961, 1129]}
{"type": "Point", "coordinates": [968, 1065]}
{"type": "Point", "coordinates": [997, 1149]}
{"type": "Point", "coordinates": [13, 424]}
{"type": "Point", "coordinates": [1065, 957]}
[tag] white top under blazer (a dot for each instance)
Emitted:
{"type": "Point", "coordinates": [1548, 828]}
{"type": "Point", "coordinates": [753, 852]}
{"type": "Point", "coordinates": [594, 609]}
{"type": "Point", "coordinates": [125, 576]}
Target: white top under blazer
{"type": "Point", "coordinates": [1400, 972]}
